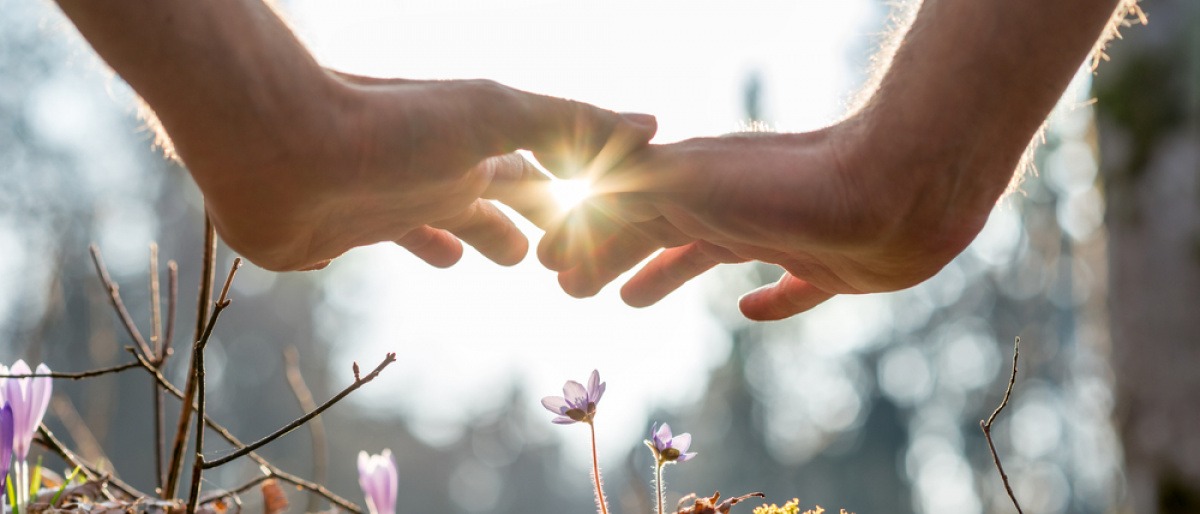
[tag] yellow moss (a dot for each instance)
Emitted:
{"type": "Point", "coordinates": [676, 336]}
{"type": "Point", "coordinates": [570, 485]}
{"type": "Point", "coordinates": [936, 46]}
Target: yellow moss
{"type": "Point", "coordinates": [791, 507]}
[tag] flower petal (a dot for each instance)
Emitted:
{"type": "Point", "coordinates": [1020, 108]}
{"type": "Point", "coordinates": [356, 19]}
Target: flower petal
{"type": "Point", "coordinates": [595, 395]}
{"type": "Point", "coordinates": [39, 396]}
{"type": "Point", "coordinates": [575, 395]}
{"type": "Point", "coordinates": [662, 437]}
{"type": "Point", "coordinates": [682, 442]}
{"type": "Point", "coordinates": [685, 457]}
{"type": "Point", "coordinates": [562, 420]}
{"type": "Point", "coordinates": [555, 404]}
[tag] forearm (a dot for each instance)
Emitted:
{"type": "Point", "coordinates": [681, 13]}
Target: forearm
{"type": "Point", "coordinates": [969, 86]}
{"type": "Point", "coordinates": [219, 74]}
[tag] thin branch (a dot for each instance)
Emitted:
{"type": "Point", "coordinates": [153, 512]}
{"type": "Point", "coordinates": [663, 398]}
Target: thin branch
{"type": "Point", "coordinates": [52, 443]}
{"type": "Point", "coordinates": [155, 303]}
{"type": "Point", "coordinates": [207, 275]}
{"type": "Point", "coordinates": [78, 375]}
{"type": "Point", "coordinates": [239, 489]}
{"type": "Point", "coordinates": [228, 436]}
{"type": "Point", "coordinates": [316, 429]}
{"type": "Point", "coordinates": [391, 357]}
{"type": "Point", "coordinates": [156, 342]}
{"type": "Point", "coordinates": [172, 303]}
{"type": "Point", "coordinates": [114, 296]}
{"type": "Point", "coordinates": [986, 426]}
{"type": "Point", "coordinates": [198, 359]}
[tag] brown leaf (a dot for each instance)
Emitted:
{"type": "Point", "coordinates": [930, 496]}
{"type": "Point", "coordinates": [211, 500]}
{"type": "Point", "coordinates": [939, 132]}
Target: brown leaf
{"type": "Point", "coordinates": [274, 499]}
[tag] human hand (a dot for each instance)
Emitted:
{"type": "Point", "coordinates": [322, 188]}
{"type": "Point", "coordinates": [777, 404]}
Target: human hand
{"type": "Point", "coordinates": [839, 218]}
{"type": "Point", "coordinates": [393, 160]}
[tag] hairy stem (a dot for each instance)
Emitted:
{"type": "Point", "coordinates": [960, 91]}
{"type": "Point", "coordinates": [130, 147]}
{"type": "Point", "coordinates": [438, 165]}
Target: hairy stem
{"type": "Point", "coordinates": [659, 487]}
{"type": "Point", "coordinates": [600, 501]}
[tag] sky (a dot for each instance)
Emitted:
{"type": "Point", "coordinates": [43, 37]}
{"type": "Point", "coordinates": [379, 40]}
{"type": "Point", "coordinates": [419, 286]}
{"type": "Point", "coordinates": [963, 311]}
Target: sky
{"type": "Point", "coordinates": [466, 335]}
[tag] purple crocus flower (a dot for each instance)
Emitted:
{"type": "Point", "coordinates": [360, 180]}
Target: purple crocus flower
{"type": "Point", "coordinates": [668, 448]}
{"type": "Point", "coordinates": [6, 440]}
{"type": "Point", "coordinates": [577, 404]}
{"type": "Point", "coordinates": [28, 398]}
{"type": "Point", "coordinates": [379, 480]}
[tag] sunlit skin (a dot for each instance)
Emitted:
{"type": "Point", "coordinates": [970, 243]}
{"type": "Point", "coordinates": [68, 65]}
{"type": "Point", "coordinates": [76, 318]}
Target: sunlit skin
{"type": "Point", "coordinates": [879, 202]}
{"type": "Point", "coordinates": [299, 164]}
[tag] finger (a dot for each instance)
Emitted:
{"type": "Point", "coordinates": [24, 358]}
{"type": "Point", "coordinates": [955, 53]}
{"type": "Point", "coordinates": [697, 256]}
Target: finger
{"type": "Point", "coordinates": [487, 229]}
{"type": "Point", "coordinates": [436, 247]}
{"type": "Point", "coordinates": [612, 258]}
{"type": "Point", "coordinates": [520, 184]}
{"type": "Point", "coordinates": [673, 268]}
{"type": "Point", "coordinates": [576, 235]}
{"type": "Point", "coordinates": [785, 298]}
{"type": "Point", "coordinates": [603, 264]}
{"type": "Point", "coordinates": [593, 159]}
{"type": "Point", "coordinates": [318, 266]}
{"type": "Point", "coordinates": [573, 132]}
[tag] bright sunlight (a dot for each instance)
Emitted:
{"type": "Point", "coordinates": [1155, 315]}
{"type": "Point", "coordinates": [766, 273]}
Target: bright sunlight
{"type": "Point", "coordinates": [569, 193]}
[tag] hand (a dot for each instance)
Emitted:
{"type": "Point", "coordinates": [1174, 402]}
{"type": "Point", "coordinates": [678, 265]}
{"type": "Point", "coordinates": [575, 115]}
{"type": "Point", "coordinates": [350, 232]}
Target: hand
{"type": "Point", "coordinates": [298, 164]}
{"type": "Point", "coordinates": [398, 160]}
{"type": "Point", "coordinates": [839, 218]}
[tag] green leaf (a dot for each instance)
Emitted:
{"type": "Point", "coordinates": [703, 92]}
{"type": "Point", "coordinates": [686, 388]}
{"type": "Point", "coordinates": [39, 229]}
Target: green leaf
{"type": "Point", "coordinates": [63, 487]}
{"type": "Point", "coordinates": [35, 485]}
{"type": "Point", "coordinates": [12, 493]}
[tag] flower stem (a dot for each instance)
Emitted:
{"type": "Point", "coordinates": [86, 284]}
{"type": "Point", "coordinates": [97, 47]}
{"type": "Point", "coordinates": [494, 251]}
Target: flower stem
{"type": "Point", "coordinates": [596, 474]}
{"type": "Point", "coordinates": [658, 486]}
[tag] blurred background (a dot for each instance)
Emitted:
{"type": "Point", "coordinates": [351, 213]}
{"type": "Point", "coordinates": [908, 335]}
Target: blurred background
{"type": "Point", "coordinates": [867, 403]}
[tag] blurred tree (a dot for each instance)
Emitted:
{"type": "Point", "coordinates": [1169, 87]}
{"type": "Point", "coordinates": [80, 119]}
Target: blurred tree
{"type": "Point", "coordinates": [1149, 123]}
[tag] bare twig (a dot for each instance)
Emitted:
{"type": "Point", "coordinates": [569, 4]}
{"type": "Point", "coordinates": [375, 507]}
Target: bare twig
{"type": "Point", "coordinates": [155, 303]}
{"type": "Point", "coordinates": [391, 357]}
{"type": "Point", "coordinates": [52, 443]}
{"type": "Point", "coordinates": [239, 489]}
{"type": "Point", "coordinates": [986, 426]}
{"type": "Point", "coordinates": [228, 436]}
{"type": "Point", "coordinates": [316, 429]}
{"type": "Point", "coordinates": [78, 375]}
{"type": "Point", "coordinates": [164, 351]}
{"type": "Point", "coordinates": [207, 275]}
{"type": "Point", "coordinates": [198, 365]}
{"type": "Point", "coordinates": [156, 343]}
{"type": "Point", "coordinates": [114, 296]}
{"type": "Point", "coordinates": [172, 303]}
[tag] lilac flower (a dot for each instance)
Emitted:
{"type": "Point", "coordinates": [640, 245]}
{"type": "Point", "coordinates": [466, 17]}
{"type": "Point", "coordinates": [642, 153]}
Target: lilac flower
{"type": "Point", "coordinates": [378, 478]}
{"type": "Point", "coordinates": [668, 448]}
{"type": "Point", "coordinates": [6, 439]}
{"type": "Point", "coordinates": [577, 404]}
{"type": "Point", "coordinates": [28, 398]}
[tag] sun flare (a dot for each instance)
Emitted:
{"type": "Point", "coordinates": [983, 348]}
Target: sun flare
{"type": "Point", "coordinates": [569, 193]}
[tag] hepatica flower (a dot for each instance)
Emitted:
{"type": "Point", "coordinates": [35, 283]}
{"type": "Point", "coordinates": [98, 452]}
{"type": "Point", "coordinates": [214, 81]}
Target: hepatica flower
{"type": "Point", "coordinates": [668, 448]}
{"type": "Point", "coordinates": [378, 478]}
{"type": "Point", "coordinates": [577, 404]}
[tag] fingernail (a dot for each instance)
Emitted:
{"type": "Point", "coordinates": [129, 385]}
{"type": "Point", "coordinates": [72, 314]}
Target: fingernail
{"type": "Point", "coordinates": [645, 120]}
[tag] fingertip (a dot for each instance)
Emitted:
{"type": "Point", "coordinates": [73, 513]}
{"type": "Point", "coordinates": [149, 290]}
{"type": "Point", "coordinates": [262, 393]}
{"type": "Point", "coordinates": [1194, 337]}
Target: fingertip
{"type": "Point", "coordinates": [514, 254]}
{"type": "Point", "coordinates": [647, 122]}
{"type": "Point", "coordinates": [635, 298]}
{"type": "Point", "coordinates": [318, 266]}
{"type": "Point", "coordinates": [573, 285]}
{"type": "Point", "coordinates": [786, 298]}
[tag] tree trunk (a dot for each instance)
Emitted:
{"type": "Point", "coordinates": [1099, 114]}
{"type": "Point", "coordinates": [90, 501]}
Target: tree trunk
{"type": "Point", "coordinates": [1149, 128]}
